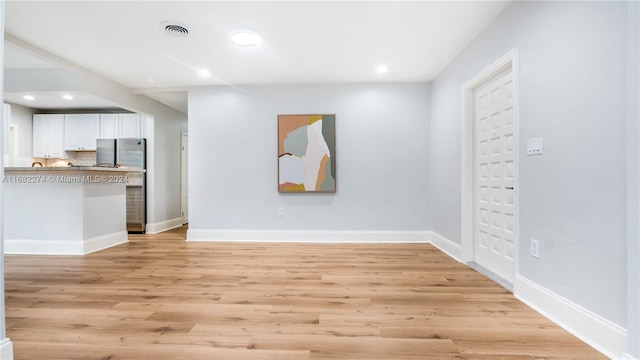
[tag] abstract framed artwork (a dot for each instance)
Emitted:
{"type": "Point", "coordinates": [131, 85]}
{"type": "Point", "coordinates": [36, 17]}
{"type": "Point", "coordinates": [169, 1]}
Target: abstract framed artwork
{"type": "Point", "coordinates": [306, 153]}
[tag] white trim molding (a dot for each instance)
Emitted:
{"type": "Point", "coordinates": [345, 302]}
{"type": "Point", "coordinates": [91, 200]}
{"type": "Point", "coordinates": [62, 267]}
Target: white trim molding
{"type": "Point", "coordinates": [319, 236]}
{"type": "Point", "coordinates": [627, 357]}
{"type": "Point", "coordinates": [164, 225]}
{"type": "Point", "coordinates": [64, 247]}
{"type": "Point", "coordinates": [598, 332]}
{"type": "Point", "coordinates": [106, 241]}
{"type": "Point", "coordinates": [509, 60]}
{"type": "Point", "coordinates": [454, 250]}
{"type": "Point", "coordinates": [6, 349]}
{"type": "Point", "coordinates": [43, 247]}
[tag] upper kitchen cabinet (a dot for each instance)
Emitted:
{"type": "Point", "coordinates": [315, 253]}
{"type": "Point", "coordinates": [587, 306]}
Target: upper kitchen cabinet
{"type": "Point", "coordinates": [48, 136]}
{"type": "Point", "coordinates": [115, 126]}
{"type": "Point", "coordinates": [109, 126]}
{"type": "Point", "coordinates": [130, 126]}
{"type": "Point", "coordinates": [81, 132]}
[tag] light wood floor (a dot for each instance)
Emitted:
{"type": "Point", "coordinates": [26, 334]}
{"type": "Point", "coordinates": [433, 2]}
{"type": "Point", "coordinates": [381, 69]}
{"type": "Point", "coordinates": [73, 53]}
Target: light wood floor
{"type": "Point", "coordinates": [159, 297]}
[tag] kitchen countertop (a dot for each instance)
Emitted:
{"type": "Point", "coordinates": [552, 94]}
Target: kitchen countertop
{"type": "Point", "coordinates": [75, 168]}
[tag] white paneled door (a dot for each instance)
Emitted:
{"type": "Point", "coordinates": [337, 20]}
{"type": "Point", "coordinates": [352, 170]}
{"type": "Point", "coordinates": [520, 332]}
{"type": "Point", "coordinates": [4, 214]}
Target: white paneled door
{"type": "Point", "coordinates": [495, 177]}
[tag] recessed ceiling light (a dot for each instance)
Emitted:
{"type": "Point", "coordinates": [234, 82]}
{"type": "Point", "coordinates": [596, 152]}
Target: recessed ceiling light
{"type": "Point", "coordinates": [204, 73]}
{"type": "Point", "coordinates": [149, 79]}
{"type": "Point", "coordinates": [67, 97]}
{"type": "Point", "coordinates": [29, 97]}
{"type": "Point", "coordinates": [246, 38]}
{"type": "Point", "coordinates": [382, 69]}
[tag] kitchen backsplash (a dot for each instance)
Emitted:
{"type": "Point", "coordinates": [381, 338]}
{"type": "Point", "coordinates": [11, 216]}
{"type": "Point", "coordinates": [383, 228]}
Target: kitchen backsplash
{"type": "Point", "coordinates": [84, 158]}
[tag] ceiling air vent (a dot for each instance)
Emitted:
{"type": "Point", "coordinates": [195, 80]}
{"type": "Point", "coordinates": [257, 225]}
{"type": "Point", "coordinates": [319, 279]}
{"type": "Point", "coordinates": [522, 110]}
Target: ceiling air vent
{"type": "Point", "coordinates": [174, 28]}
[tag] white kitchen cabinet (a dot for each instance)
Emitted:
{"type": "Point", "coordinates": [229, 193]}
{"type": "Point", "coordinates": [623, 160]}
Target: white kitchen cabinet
{"type": "Point", "coordinates": [81, 131]}
{"type": "Point", "coordinates": [130, 126]}
{"type": "Point", "coordinates": [48, 136]}
{"type": "Point", "coordinates": [115, 126]}
{"type": "Point", "coordinates": [109, 126]}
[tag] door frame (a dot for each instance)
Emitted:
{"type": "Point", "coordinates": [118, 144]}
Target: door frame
{"type": "Point", "coordinates": [184, 177]}
{"type": "Point", "coordinates": [12, 145]}
{"type": "Point", "coordinates": [509, 60]}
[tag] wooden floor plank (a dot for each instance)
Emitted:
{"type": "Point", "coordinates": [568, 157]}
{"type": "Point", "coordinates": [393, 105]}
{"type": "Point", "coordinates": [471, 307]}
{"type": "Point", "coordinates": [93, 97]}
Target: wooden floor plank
{"type": "Point", "coordinates": [159, 297]}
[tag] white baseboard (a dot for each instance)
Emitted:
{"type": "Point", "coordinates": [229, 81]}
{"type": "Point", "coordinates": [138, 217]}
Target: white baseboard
{"type": "Point", "coordinates": [43, 247]}
{"type": "Point", "coordinates": [6, 349]}
{"type": "Point", "coordinates": [63, 247]}
{"type": "Point", "coordinates": [627, 357]}
{"type": "Point", "coordinates": [164, 225]}
{"type": "Point", "coordinates": [598, 332]}
{"type": "Point", "coordinates": [105, 241]}
{"type": "Point", "coordinates": [445, 245]}
{"type": "Point", "coordinates": [320, 236]}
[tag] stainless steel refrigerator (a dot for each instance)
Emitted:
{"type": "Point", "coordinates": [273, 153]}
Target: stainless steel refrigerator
{"type": "Point", "coordinates": [132, 153]}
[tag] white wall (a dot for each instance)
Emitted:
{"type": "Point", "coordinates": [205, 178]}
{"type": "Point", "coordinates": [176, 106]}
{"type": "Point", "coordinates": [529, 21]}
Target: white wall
{"type": "Point", "coordinates": [382, 141]}
{"type": "Point", "coordinates": [573, 61]}
{"type": "Point", "coordinates": [6, 347]}
{"type": "Point", "coordinates": [633, 179]}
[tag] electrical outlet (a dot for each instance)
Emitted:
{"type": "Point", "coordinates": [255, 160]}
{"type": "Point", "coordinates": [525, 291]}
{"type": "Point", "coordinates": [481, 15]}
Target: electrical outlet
{"type": "Point", "coordinates": [280, 211]}
{"type": "Point", "coordinates": [535, 248]}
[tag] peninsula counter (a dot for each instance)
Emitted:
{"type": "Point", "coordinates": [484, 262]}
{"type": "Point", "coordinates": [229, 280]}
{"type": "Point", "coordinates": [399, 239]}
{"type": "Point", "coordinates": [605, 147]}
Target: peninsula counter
{"type": "Point", "coordinates": [64, 210]}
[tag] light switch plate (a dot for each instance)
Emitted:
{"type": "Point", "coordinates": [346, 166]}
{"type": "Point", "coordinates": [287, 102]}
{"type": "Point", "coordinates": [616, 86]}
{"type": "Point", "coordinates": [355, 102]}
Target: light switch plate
{"type": "Point", "coordinates": [534, 146]}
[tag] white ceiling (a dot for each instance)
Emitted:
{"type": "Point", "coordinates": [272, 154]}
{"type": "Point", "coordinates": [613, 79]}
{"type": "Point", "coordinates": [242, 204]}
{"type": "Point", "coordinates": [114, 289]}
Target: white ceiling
{"type": "Point", "coordinates": [303, 42]}
{"type": "Point", "coordinates": [15, 58]}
